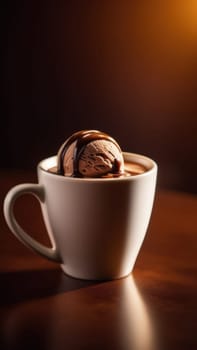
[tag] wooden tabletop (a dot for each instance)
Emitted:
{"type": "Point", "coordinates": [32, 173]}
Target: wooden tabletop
{"type": "Point", "coordinates": [155, 308]}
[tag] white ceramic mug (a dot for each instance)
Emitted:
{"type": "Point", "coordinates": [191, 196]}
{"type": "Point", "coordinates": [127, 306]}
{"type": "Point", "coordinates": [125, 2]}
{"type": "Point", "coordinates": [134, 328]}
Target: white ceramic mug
{"type": "Point", "coordinates": [96, 225]}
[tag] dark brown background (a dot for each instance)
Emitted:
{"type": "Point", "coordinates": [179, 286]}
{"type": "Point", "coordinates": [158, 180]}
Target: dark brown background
{"type": "Point", "coordinates": [125, 67]}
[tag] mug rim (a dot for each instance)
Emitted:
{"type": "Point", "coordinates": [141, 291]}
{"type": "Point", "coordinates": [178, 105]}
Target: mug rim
{"type": "Point", "coordinates": [144, 159]}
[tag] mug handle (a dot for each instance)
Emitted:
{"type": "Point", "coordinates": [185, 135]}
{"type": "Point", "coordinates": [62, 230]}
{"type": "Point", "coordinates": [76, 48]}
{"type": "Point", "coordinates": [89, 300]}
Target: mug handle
{"type": "Point", "coordinates": [14, 193]}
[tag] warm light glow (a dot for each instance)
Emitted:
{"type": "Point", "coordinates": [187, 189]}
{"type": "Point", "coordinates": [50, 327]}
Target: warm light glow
{"type": "Point", "coordinates": [187, 17]}
{"type": "Point", "coordinates": [137, 325]}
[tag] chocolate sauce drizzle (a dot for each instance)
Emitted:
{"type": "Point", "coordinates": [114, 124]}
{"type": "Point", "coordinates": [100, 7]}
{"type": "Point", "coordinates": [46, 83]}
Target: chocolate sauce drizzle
{"type": "Point", "coordinates": [82, 138]}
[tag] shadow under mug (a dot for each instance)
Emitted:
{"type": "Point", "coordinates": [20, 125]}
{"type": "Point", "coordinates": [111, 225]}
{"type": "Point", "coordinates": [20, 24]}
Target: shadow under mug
{"type": "Point", "coordinates": [96, 225]}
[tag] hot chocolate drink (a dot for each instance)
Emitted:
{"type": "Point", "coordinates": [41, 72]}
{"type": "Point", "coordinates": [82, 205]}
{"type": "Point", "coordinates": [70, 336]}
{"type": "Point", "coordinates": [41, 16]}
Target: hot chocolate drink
{"type": "Point", "coordinates": [130, 169]}
{"type": "Point", "coordinates": [96, 203]}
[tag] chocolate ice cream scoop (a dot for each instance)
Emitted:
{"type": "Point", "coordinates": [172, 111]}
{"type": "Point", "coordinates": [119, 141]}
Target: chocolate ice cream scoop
{"type": "Point", "coordinates": [90, 153]}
